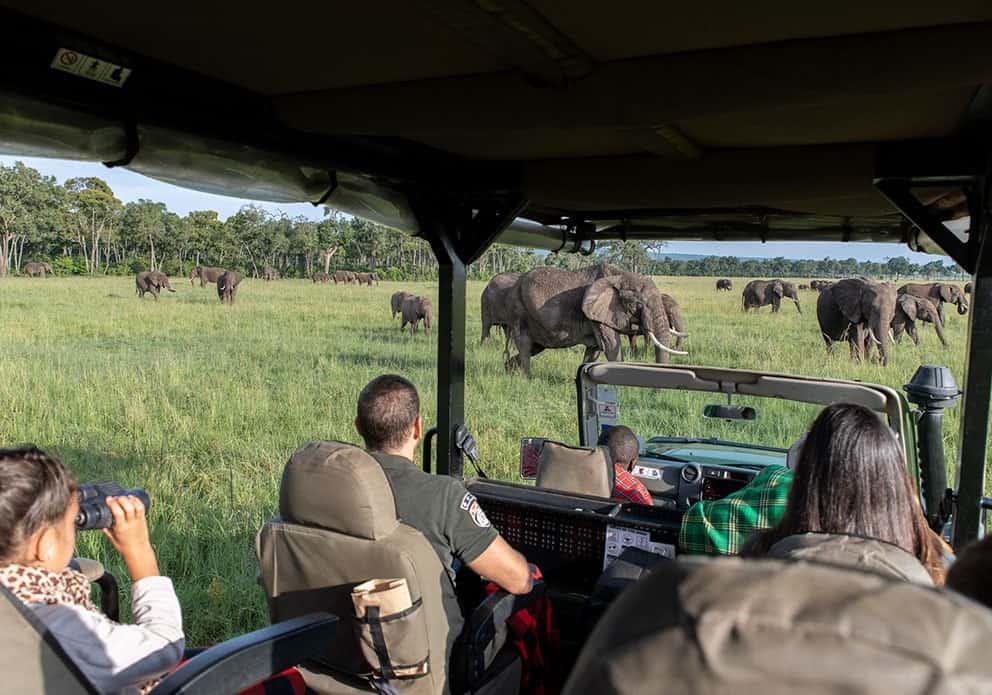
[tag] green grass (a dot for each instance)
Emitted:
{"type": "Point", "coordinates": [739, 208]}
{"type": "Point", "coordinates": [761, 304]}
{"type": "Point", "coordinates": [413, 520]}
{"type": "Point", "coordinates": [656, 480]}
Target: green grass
{"type": "Point", "coordinates": [202, 403]}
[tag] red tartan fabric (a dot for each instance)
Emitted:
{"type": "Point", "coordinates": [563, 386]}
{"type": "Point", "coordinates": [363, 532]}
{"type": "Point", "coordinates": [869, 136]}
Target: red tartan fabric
{"type": "Point", "coordinates": [629, 489]}
{"type": "Point", "coordinates": [288, 682]}
{"type": "Point", "coordinates": [532, 631]}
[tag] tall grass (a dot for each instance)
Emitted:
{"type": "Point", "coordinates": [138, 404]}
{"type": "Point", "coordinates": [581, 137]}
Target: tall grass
{"type": "Point", "coordinates": [202, 403]}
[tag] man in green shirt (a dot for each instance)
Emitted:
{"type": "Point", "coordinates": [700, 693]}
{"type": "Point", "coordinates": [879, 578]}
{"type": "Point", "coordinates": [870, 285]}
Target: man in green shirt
{"type": "Point", "coordinates": [438, 506]}
{"type": "Point", "coordinates": [720, 527]}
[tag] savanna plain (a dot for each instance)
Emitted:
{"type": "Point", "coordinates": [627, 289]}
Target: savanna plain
{"type": "Point", "coordinates": [201, 403]}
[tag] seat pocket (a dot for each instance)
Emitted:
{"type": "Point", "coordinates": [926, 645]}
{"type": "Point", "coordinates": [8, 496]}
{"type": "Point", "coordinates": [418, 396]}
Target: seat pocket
{"type": "Point", "coordinates": [395, 645]}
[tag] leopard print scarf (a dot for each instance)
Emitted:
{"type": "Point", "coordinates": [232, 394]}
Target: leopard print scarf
{"type": "Point", "coordinates": [40, 585]}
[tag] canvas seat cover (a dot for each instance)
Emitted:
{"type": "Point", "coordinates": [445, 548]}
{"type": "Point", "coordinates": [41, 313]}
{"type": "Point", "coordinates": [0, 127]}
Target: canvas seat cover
{"type": "Point", "coordinates": [338, 527]}
{"type": "Point", "coordinates": [854, 551]}
{"type": "Point", "coordinates": [575, 469]}
{"type": "Point", "coordinates": [732, 625]}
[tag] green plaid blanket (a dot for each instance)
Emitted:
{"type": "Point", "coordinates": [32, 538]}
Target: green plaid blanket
{"type": "Point", "coordinates": [719, 527]}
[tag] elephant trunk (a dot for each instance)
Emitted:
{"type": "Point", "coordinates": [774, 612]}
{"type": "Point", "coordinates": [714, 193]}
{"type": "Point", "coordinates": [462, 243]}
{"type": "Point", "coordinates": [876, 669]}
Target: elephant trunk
{"type": "Point", "coordinates": [962, 306]}
{"type": "Point", "coordinates": [798, 308]}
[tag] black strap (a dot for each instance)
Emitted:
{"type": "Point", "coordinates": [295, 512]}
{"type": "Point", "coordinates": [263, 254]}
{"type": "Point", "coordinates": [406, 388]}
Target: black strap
{"type": "Point", "coordinates": [379, 642]}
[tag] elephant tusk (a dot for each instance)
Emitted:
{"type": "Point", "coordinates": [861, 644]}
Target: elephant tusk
{"type": "Point", "coordinates": [657, 344]}
{"type": "Point", "coordinates": [892, 337]}
{"type": "Point", "coordinates": [871, 333]}
{"type": "Point", "coordinates": [678, 334]}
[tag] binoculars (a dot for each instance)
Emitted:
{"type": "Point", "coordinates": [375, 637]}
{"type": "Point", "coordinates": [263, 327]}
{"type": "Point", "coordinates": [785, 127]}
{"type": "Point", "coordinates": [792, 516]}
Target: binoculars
{"type": "Point", "coordinates": [93, 510]}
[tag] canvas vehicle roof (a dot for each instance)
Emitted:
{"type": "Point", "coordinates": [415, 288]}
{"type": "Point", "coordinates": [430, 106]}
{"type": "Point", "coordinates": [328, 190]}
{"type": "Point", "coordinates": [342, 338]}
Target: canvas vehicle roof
{"type": "Point", "coordinates": [543, 123]}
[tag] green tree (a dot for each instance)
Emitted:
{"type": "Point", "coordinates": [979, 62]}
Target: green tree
{"type": "Point", "coordinates": [26, 202]}
{"type": "Point", "coordinates": [94, 214]}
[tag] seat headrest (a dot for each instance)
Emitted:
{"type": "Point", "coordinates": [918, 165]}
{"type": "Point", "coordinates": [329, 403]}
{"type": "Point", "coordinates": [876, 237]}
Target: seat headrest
{"type": "Point", "coordinates": [339, 487]}
{"type": "Point", "coordinates": [575, 469]}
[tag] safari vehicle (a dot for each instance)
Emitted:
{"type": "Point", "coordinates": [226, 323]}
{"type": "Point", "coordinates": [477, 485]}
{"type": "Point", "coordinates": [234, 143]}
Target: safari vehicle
{"type": "Point", "coordinates": [556, 126]}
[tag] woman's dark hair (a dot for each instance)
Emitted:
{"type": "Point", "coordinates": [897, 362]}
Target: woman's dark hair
{"type": "Point", "coordinates": [851, 478]}
{"type": "Point", "coordinates": [35, 491]}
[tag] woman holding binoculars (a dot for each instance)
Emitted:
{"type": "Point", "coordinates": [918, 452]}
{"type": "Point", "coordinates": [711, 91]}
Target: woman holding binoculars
{"type": "Point", "coordinates": [38, 509]}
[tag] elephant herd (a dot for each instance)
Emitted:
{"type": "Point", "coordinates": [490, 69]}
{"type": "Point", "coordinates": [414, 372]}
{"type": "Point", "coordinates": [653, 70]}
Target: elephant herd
{"type": "Point", "coordinates": [412, 310]}
{"type": "Point", "coordinates": [154, 281]}
{"type": "Point", "coordinates": [345, 277]}
{"type": "Point", "coordinates": [592, 307]}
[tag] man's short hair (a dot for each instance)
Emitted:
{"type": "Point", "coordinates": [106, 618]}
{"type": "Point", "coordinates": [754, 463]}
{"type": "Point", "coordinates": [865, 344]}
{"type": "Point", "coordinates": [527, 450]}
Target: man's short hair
{"type": "Point", "coordinates": [971, 573]}
{"type": "Point", "coordinates": [622, 443]}
{"type": "Point", "coordinates": [387, 409]}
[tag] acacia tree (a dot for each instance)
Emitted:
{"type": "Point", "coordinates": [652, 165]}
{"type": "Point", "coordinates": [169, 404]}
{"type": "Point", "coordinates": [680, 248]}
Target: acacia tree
{"type": "Point", "coordinates": [26, 198]}
{"type": "Point", "coordinates": [142, 225]}
{"type": "Point", "coordinates": [94, 213]}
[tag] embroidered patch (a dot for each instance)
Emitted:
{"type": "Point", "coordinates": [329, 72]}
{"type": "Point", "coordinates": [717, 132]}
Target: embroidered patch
{"type": "Point", "coordinates": [478, 516]}
{"type": "Point", "coordinates": [467, 501]}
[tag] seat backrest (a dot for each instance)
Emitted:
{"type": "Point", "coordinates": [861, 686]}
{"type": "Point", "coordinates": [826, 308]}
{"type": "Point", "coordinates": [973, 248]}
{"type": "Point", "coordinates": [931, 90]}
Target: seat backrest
{"type": "Point", "coordinates": [773, 626]}
{"type": "Point", "coordinates": [31, 660]}
{"type": "Point", "coordinates": [853, 551]}
{"type": "Point", "coordinates": [575, 469]}
{"type": "Point", "coordinates": [338, 528]}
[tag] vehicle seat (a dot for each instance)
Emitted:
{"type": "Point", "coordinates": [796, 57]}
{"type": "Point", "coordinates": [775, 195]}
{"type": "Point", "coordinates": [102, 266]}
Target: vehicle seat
{"type": "Point", "coordinates": [337, 528]}
{"type": "Point", "coordinates": [587, 471]}
{"type": "Point", "coordinates": [721, 625]}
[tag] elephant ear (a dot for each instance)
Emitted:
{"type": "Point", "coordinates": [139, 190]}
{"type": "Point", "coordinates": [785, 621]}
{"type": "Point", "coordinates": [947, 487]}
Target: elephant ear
{"type": "Point", "coordinates": [602, 303]}
{"type": "Point", "coordinates": [946, 292]}
{"type": "Point", "coordinates": [778, 289]}
{"type": "Point", "coordinates": [909, 306]}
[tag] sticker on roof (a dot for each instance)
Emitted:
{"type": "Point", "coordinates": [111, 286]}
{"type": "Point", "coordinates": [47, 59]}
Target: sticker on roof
{"type": "Point", "coordinates": [82, 65]}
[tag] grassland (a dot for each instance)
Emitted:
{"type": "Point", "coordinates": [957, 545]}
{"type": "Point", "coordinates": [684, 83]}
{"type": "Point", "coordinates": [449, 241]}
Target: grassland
{"type": "Point", "coordinates": [202, 403]}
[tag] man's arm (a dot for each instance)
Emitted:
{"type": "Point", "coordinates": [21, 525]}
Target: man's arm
{"type": "Point", "coordinates": [502, 564]}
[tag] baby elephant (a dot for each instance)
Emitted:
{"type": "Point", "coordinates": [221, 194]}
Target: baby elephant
{"type": "Point", "coordinates": [416, 309]}
{"type": "Point", "coordinates": [396, 301]}
{"type": "Point", "coordinates": [227, 286]}
{"type": "Point", "coordinates": [151, 281]}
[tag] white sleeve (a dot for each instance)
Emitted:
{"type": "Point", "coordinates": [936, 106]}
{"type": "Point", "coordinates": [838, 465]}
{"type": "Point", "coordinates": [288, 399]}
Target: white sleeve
{"type": "Point", "coordinates": [116, 656]}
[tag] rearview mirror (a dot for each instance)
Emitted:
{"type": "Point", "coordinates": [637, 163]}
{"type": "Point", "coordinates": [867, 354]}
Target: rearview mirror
{"type": "Point", "coordinates": [729, 412]}
{"type": "Point", "coordinates": [530, 452]}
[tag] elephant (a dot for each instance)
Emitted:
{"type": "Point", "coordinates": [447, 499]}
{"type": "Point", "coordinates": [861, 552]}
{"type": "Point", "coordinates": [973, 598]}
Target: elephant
{"type": "Point", "coordinates": [269, 273]}
{"type": "Point", "coordinates": [759, 293]}
{"type": "Point", "coordinates": [938, 293]}
{"type": "Point", "coordinates": [36, 269]}
{"type": "Point", "coordinates": [227, 286]}
{"type": "Point", "coordinates": [206, 274]}
{"type": "Point", "coordinates": [151, 281]}
{"type": "Point", "coordinates": [857, 310]}
{"type": "Point", "coordinates": [344, 276]}
{"type": "Point", "coordinates": [396, 301]}
{"type": "Point", "coordinates": [804, 287]}
{"type": "Point", "coordinates": [724, 284]}
{"type": "Point", "coordinates": [909, 309]}
{"type": "Point", "coordinates": [494, 303]}
{"type": "Point", "coordinates": [818, 285]}
{"type": "Point", "coordinates": [320, 276]}
{"type": "Point", "coordinates": [967, 288]}
{"type": "Point", "coordinates": [594, 306]}
{"type": "Point", "coordinates": [676, 324]}
{"type": "Point", "coordinates": [414, 310]}
{"type": "Point", "coordinates": [366, 278]}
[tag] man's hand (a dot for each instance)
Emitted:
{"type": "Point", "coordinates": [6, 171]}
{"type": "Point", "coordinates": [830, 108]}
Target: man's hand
{"type": "Point", "coordinates": [129, 536]}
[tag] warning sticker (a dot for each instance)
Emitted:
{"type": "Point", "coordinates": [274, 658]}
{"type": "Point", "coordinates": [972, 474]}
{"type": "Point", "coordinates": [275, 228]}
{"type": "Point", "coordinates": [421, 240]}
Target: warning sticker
{"type": "Point", "coordinates": [91, 68]}
{"type": "Point", "coordinates": [620, 537]}
{"type": "Point", "coordinates": [646, 472]}
{"type": "Point", "coordinates": [607, 410]}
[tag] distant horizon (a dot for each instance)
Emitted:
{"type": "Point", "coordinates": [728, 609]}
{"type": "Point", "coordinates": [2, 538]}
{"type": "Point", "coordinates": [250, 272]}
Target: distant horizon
{"type": "Point", "coordinates": [130, 186]}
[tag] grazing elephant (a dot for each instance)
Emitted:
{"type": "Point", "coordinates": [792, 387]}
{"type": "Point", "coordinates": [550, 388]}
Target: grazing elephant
{"type": "Point", "coordinates": [804, 287]}
{"type": "Point", "coordinates": [38, 269]}
{"type": "Point", "coordinates": [857, 310]}
{"type": "Point", "coordinates": [396, 302]}
{"type": "Point", "coordinates": [724, 284]}
{"type": "Point", "coordinates": [967, 288]}
{"type": "Point", "coordinates": [556, 308]}
{"type": "Point", "coordinates": [495, 303]}
{"type": "Point", "coordinates": [227, 286]}
{"type": "Point", "coordinates": [320, 276]}
{"type": "Point", "coordinates": [269, 273]}
{"type": "Point", "coordinates": [344, 276]}
{"type": "Point", "coordinates": [206, 274]}
{"type": "Point", "coordinates": [818, 284]}
{"type": "Point", "coordinates": [759, 293]}
{"type": "Point", "coordinates": [938, 293]}
{"type": "Point", "coordinates": [676, 324]}
{"type": "Point", "coordinates": [151, 281]}
{"type": "Point", "coordinates": [414, 310]}
{"type": "Point", "coordinates": [909, 309]}
{"type": "Point", "coordinates": [366, 278]}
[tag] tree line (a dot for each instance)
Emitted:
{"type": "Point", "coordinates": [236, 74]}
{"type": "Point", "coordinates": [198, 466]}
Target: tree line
{"type": "Point", "coordinates": [81, 227]}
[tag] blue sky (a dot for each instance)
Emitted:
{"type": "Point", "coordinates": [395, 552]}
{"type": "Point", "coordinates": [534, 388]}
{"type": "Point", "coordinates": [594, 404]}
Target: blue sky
{"type": "Point", "coordinates": [129, 186]}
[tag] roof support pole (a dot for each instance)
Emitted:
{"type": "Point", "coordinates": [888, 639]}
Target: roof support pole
{"type": "Point", "coordinates": [450, 349]}
{"type": "Point", "coordinates": [978, 381]}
